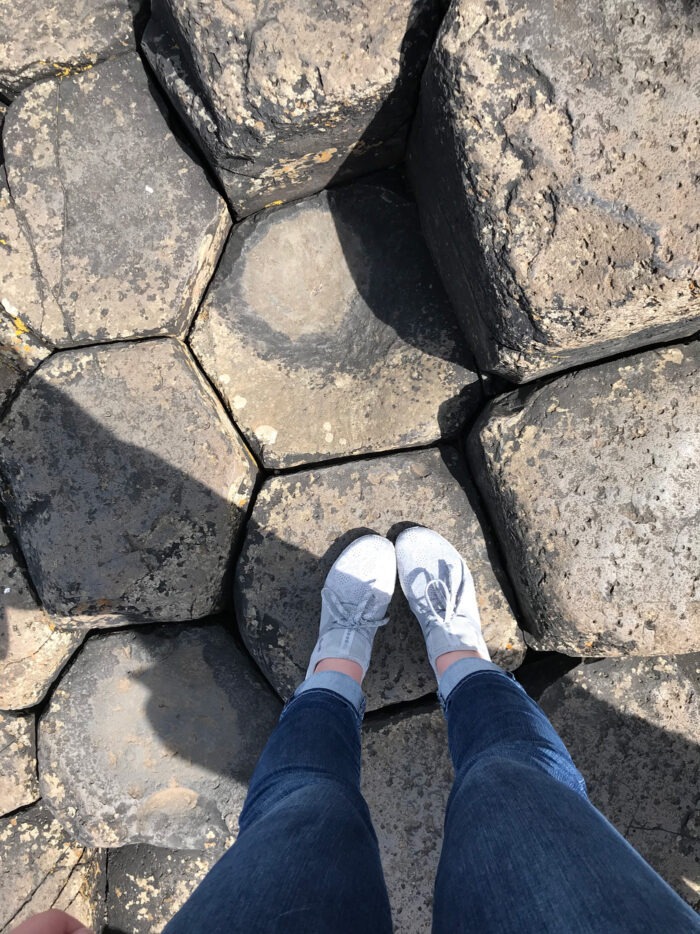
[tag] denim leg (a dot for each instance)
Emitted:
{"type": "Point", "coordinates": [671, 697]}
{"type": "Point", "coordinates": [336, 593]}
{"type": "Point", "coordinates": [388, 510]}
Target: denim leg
{"type": "Point", "coordinates": [525, 852]}
{"type": "Point", "coordinates": [306, 860]}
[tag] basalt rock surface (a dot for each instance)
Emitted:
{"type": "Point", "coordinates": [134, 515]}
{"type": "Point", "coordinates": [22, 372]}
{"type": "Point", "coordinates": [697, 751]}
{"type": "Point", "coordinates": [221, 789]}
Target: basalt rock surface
{"type": "Point", "coordinates": [301, 523]}
{"type": "Point", "coordinates": [127, 485]}
{"type": "Point", "coordinates": [284, 97]}
{"type": "Point", "coordinates": [328, 333]}
{"type": "Point", "coordinates": [124, 227]}
{"type": "Point", "coordinates": [552, 158]}
{"type": "Point", "coordinates": [590, 481]}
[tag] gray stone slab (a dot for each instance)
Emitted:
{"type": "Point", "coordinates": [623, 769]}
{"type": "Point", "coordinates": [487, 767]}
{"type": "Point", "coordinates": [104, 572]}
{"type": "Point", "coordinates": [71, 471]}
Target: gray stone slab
{"type": "Point", "coordinates": [32, 649]}
{"type": "Point", "coordinates": [124, 226]}
{"type": "Point", "coordinates": [328, 333]}
{"type": "Point", "coordinates": [632, 727]}
{"type": "Point", "coordinates": [286, 97]}
{"type": "Point", "coordinates": [52, 40]}
{"type": "Point", "coordinates": [300, 524]}
{"type": "Point", "coordinates": [406, 780]}
{"type": "Point", "coordinates": [149, 884]}
{"type": "Point", "coordinates": [128, 484]}
{"type": "Point", "coordinates": [42, 868]}
{"type": "Point", "coordinates": [152, 736]}
{"type": "Point", "coordinates": [18, 781]}
{"type": "Point", "coordinates": [553, 161]}
{"type": "Point", "coordinates": [591, 484]}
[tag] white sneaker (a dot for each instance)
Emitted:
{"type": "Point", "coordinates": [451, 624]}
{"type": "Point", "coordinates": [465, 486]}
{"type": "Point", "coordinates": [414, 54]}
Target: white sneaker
{"type": "Point", "coordinates": [440, 591]}
{"type": "Point", "coordinates": [354, 601]}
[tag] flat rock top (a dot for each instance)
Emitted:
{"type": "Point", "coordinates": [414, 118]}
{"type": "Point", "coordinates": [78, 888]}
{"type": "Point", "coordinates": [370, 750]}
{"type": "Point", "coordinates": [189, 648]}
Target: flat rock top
{"type": "Point", "coordinates": [43, 868]}
{"type": "Point", "coordinates": [280, 63]}
{"type": "Point", "coordinates": [127, 483]}
{"type": "Point", "coordinates": [632, 727]}
{"type": "Point", "coordinates": [589, 482]}
{"type": "Point", "coordinates": [48, 40]}
{"type": "Point", "coordinates": [151, 737]}
{"type": "Point", "coordinates": [328, 333]}
{"type": "Point", "coordinates": [299, 526]}
{"type": "Point", "coordinates": [125, 226]}
{"type": "Point", "coordinates": [577, 129]}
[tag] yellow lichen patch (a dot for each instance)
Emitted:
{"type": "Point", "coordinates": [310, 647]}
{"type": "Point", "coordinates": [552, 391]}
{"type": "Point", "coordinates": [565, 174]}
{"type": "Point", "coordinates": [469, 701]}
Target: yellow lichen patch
{"type": "Point", "coordinates": [325, 156]}
{"type": "Point", "coordinates": [273, 204]}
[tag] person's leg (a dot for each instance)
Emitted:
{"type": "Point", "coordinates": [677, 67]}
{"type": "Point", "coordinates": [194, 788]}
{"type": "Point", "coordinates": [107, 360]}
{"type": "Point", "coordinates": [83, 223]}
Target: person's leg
{"type": "Point", "coordinates": [524, 851]}
{"type": "Point", "coordinates": [306, 860]}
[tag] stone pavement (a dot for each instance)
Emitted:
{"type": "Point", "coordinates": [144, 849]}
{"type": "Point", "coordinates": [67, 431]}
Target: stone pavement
{"type": "Point", "coordinates": [267, 282]}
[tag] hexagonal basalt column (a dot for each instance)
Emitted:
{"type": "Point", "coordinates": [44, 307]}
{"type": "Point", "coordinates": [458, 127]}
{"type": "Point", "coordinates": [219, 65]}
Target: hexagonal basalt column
{"type": "Point", "coordinates": [328, 333]}
{"type": "Point", "coordinates": [43, 40]}
{"type": "Point", "coordinates": [591, 482]}
{"type": "Point", "coordinates": [301, 523]}
{"type": "Point", "coordinates": [632, 727]}
{"type": "Point", "coordinates": [285, 97]}
{"type": "Point", "coordinates": [152, 737]}
{"type": "Point", "coordinates": [554, 161]}
{"type": "Point", "coordinates": [127, 484]}
{"type": "Point", "coordinates": [125, 228]}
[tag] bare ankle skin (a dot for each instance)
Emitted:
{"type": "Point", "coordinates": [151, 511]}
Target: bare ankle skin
{"type": "Point", "coordinates": [443, 662]}
{"type": "Point", "coordinates": [345, 666]}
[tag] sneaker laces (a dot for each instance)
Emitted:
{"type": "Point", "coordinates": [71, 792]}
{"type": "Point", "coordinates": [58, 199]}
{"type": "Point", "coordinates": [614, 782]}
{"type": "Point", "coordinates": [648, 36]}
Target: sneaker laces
{"type": "Point", "coordinates": [350, 615]}
{"type": "Point", "coordinates": [448, 594]}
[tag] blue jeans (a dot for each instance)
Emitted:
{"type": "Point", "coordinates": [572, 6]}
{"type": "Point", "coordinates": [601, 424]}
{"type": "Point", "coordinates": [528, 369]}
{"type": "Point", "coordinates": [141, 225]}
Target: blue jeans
{"type": "Point", "coordinates": [524, 850]}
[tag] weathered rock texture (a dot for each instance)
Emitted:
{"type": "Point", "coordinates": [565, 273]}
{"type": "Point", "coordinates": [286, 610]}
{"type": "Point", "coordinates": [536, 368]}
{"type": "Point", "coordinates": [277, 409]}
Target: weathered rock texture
{"type": "Point", "coordinates": [41, 868]}
{"type": "Point", "coordinates": [148, 885]}
{"type": "Point", "coordinates": [591, 482]}
{"type": "Point", "coordinates": [20, 350]}
{"type": "Point", "coordinates": [42, 40]}
{"type": "Point", "coordinates": [18, 782]}
{"type": "Point", "coordinates": [328, 333]}
{"type": "Point", "coordinates": [151, 737]}
{"type": "Point", "coordinates": [124, 226]}
{"type": "Point", "coordinates": [552, 158]}
{"type": "Point", "coordinates": [285, 97]}
{"type": "Point", "coordinates": [299, 526]}
{"type": "Point", "coordinates": [127, 484]}
{"type": "Point", "coordinates": [406, 780]}
{"type": "Point", "coordinates": [32, 650]}
{"type": "Point", "coordinates": [632, 727]}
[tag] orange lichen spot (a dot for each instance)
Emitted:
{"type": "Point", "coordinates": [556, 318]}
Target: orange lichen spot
{"type": "Point", "coordinates": [324, 156]}
{"type": "Point", "coordinates": [508, 645]}
{"type": "Point", "coordinates": [589, 645]}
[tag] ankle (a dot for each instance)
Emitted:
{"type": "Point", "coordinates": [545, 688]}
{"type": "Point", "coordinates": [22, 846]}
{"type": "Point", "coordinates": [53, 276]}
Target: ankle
{"type": "Point", "coordinates": [344, 666]}
{"type": "Point", "coordinates": [443, 662]}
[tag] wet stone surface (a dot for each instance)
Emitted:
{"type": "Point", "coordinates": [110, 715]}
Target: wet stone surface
{"type": "Point", "coordinates": [152, 736]}
{"type": "Point", "coordinates": [18, 782]}
{"type": "Point", "coordinates": [125, 228]}
{"type": "Point", "coordinates": [552, 157]}
{"type": "Point", "coordinates": [149, 884]}
{"type": "Point", "coordinates": [406, 780]}
{"type": "Point", "coordinates": [286, 97]}
{"type": "Point", "coordinates": [32, 649]}
{"type": "Point", "coordinates": [328, 333]}
{"type": "Point", "coordinates": [632, 727]}
{"type": "Point", "coordinates": [127, 485]}
{"type": "Point", "coordinates": [43, 40]}
{"type": "Point", "coordinates": [301, 523]}
{"type": "Point", "coordinates": [42, 868]}
{"type": "Point", "coordinates": [588, 484]}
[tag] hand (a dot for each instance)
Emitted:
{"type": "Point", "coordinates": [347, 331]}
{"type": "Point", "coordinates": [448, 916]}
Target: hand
{"type": "Point", "coordinates": [52, 922]}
